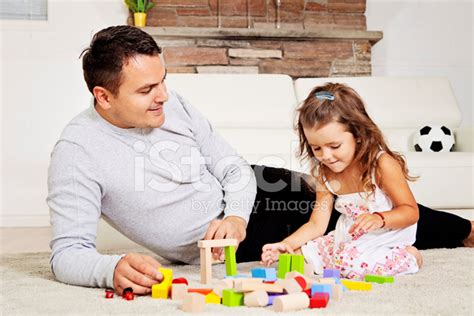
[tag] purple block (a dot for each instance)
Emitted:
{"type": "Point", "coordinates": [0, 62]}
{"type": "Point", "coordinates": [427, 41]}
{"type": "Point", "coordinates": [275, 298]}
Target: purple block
{"type": "Point", "coordinates": [271, 297]}
{"type": "Point", "coordinates": [331, 273]}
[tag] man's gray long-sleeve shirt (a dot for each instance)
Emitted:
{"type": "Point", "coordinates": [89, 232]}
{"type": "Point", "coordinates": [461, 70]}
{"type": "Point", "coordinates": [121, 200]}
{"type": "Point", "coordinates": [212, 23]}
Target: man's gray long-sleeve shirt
{"type": "Point", "coordinates": [160, 187]}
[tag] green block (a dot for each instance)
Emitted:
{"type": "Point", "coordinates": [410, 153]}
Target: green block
{"type": "Point", "coordinates": [284, 265]}
{"type": "Point", "coordinates": [297, 263]}
{"type": "Point", "coordinates": [230, 262]}
{"type": "Point", "coordinates": [231, 298]}
{"type": "Point", "coordinates": [379, 278]}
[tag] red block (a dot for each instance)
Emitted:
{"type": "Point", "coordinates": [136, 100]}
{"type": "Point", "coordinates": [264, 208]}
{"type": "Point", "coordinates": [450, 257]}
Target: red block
{"type": "Point", "coordinates": [301, 281]}
{"type": "Point", "coordinates": [129, 296]}
{"type": "Point", "coordinates": [319, 300]}
{"type": "Point", "coordinates": [308, 292]}
{"type": "Point", "coordinates": [180, 280]}
{"type": "Point", "coordinates": [200, 291]}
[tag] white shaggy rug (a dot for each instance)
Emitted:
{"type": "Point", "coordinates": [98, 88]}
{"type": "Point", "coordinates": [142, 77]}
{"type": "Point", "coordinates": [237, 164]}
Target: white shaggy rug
{"type": "Point", "coordinates": [444, 286]}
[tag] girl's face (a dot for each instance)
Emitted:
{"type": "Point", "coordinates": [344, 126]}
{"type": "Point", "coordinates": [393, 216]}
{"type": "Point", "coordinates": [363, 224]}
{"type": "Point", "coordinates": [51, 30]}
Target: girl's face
{"type": "Point", "coordinates": [332, 145]}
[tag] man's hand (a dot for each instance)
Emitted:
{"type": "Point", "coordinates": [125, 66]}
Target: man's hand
{"type": "Point", "coordinates": [232, 227]}
{"type": "Point", "coordinates": [137, 271]}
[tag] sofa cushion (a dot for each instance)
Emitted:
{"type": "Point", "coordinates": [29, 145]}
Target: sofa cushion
{"type": "Point", "coordinates": [395, 102]}
{"type": "Point", "coordinates": [232, 100]}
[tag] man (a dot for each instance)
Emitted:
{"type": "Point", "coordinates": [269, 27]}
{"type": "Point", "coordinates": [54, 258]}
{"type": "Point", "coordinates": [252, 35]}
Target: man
{"type": "Point", "coordinates": [151, 165]}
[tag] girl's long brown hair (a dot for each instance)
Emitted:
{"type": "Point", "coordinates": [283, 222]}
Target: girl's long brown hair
{"type": "Point", "coordinates": [347, 108]}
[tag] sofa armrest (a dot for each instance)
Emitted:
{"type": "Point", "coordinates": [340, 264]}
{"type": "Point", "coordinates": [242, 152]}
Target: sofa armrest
{"type": "Point", "coordinates": [464, 139]}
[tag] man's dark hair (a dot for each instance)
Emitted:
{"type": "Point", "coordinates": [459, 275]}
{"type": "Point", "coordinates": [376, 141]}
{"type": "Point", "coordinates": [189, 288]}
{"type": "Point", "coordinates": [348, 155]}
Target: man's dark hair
{"type": "Point", "coordinates": [109, 50]}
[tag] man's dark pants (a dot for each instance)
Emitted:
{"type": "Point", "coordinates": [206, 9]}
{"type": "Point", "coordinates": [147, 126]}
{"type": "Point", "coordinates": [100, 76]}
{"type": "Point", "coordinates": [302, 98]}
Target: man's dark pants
{"type": "Point", "coordinates": [284, 202]}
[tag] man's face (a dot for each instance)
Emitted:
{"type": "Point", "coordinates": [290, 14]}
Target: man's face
{"type": "Point", "coordinates": [140, 98]}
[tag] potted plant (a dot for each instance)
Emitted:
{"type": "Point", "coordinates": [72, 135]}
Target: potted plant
{"type": "Point", "coordinates": [139, 9]}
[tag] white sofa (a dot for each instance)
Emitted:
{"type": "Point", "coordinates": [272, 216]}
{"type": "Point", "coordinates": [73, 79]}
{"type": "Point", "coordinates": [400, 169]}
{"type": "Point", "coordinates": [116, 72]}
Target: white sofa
{"type": "Point", "coordinates": [255, 113]}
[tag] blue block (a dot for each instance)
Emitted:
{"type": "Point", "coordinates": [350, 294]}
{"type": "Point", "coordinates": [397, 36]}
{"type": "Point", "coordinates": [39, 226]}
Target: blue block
{"type": "Point", "coordinates": [259, 273]}
{"type": "Point", "coordinates": [331, 273]}
{"type": "Point", "coordinates": [344, 288]}
{"type": "Point", "coordinates": [270, 274]}
{"type": "Point", "coordinates": [321, 288]}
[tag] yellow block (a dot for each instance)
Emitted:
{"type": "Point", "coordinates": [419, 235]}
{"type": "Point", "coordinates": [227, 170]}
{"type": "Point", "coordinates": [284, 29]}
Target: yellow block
{"type": "Point", "coordinates": [213, 298]}
{"type": "Point", "coordinates": [357, 285]}
{"type": "Point", "coordinates": [161, 290]}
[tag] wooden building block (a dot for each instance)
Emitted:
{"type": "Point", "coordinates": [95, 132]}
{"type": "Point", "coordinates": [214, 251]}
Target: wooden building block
{"type": "Point", "coordinates": [357, 285]}
{"type": "Point", "coordinates": [289, 285]}
{"type": "Point", "coordinates": [161, 290]}
{"type": "Point", "coordinates": [297, 263]}
{"type": "Point", "coordinates": [259, 273]}
{"type": "Point", "coordinates": [319, 300]}
{"type": "Point", "coordinates": [336, 292]}
{"type": "Point", "coordinates": [291, 302]}
{"type": "Point", "coordinates": [327, 281]}
{"type": "Point", "coordinates": [378, 278]}
{"type": "Point", "coordinates": [206, 265]}
{"type": "Point", "coordinates": [251, 286]}
{"type": "Point", "coordinates": [284, 265]}
{"type": "Point", "coordinates": [200, 291]}
{"type": "Point", "coordinates": [294, 274]}
{"type": "Point", "coordinates": [257, 298]}
{"type": "Point", "coordinates": [331, 273]}
{"type": "Point", "coordinates": [212, 298]}
{"type": "Point", "coordinates": [321, 288]}
{"type": "Point", "coordinates": [222, 285]}
{"type": "Point", "coordinates": [231, 298]}
{"type": "Point", "coordinates": [230, 261]}
{"type": "Point", "coordinates": [212, 243]}
{"type": "Point", "coordinates": [193, 303]}
{"type": "Point", "coordinates": [178, 291]}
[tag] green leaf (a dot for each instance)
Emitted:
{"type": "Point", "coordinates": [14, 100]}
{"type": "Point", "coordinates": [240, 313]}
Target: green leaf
{"type": "Point", "coordinates": [140, 6]}
{"type": "Point", "coordinates": [132, 5]}
{"type": "Point", "coordinates": [149, 6]}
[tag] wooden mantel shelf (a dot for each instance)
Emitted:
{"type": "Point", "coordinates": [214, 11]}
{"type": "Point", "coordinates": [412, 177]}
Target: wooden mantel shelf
{"type": "Point", "coordinates": [236, 33]}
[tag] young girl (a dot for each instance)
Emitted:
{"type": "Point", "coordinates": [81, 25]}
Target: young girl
{"type": "Point", "coordinates": [350, 160]}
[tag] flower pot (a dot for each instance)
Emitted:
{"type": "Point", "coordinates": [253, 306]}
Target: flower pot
{"type": "Point", "coordinates": [140, 19]}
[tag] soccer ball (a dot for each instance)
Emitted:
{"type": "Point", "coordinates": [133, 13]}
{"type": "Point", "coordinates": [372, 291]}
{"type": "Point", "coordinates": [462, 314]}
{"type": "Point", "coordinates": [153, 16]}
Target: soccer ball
{"type": "Point", "coordinates": [433, 138]}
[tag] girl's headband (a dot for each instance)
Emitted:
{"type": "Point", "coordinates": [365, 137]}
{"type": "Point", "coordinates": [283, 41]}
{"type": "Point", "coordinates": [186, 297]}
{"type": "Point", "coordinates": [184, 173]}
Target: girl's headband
{"type": "Point", "coordinates": [324, 95]}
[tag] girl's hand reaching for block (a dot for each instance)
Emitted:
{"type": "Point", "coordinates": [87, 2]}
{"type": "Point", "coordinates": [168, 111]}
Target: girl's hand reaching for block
{"type": "Point", "coordinates": [271, 252]}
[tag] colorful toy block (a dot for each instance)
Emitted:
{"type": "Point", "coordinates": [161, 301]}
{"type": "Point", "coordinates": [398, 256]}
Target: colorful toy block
{"type": "Point", "coordinates": [297, 263]}
{"type": "Point", "coordinates": [109, 293]}
{"type": "Point", "coordinates": [291, 302]}
{"type": "Point", "coordinates": [161, 290]}
{"type": "Point", "coordinates": [319, 300]}
{"type": "Point", "coordinates": [232, 299]}
{"type": "Point", "coordinates": [289, 285]}
{"type": "Point", "coordinates": [379, 279]}
{"type": "Point", "coordinates": [336, 292]}
{"type": "Point", "coordinates": [301, 281]}
{"type": "Point", "coordinates": [271, 297]}
{"type": "Point", "coordinates": [284, 265]}
{"type": "Point", "coordinates": [357, 285]}
{"type": "Point", "coordinates": [327, 281]}
{"type": "Point", "coordinates": [193, 303]}
{"type": "Point", "coordinates": [206, 256]}
{"type": "Point", "coordinates": [267, 274]}
{"type": "Point", "coordinates": [200, 291]}
{"type": "Point", "coordinates": [331, 273]}
{"type": "Point", "coordinates": [256, 298]}
{"type": "Point", "coordinates": [212, 298]}
{"type": "Point", "coordinates": [251, 286]}
{"type": "Point", "coordinates": [230, 261]}
{"type": "Point", "coordinates": [178, 291]}
{"type": "Point", "coordinates": [321, 288]}
{"type": "Point", "coordinates": [179, 281]}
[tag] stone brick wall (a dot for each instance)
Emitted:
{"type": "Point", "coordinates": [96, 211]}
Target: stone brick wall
{"type": "Point", "coordinates": [297, 56]}
{"type": "Point", "coordinates": [296, 14]}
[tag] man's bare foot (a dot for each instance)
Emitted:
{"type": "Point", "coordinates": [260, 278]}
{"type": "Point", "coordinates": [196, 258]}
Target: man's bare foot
{"type": "Point", "coordinates": [469, 241]}
{"type": "Point", "coordinates": [417, 254]}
